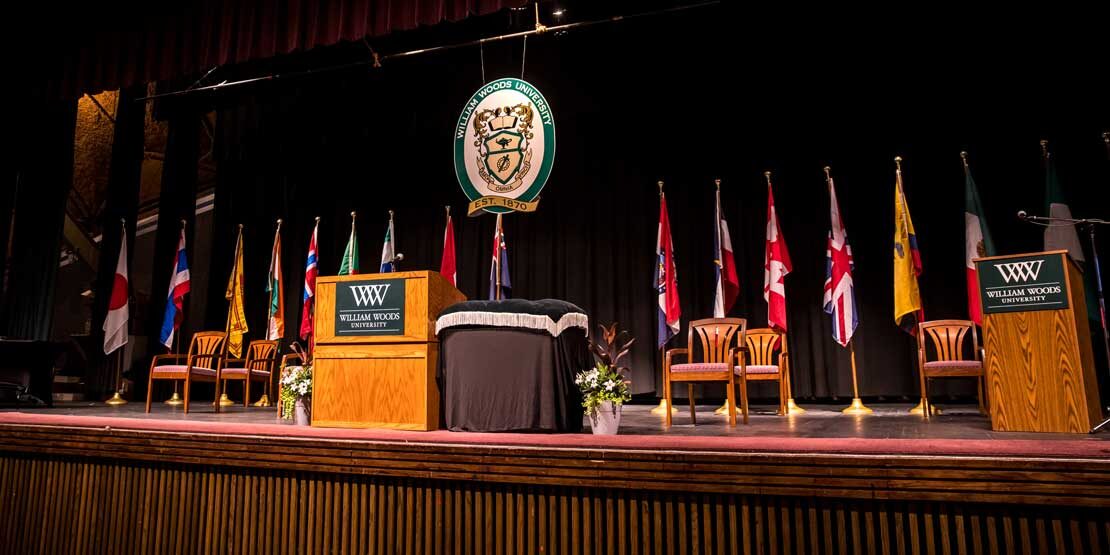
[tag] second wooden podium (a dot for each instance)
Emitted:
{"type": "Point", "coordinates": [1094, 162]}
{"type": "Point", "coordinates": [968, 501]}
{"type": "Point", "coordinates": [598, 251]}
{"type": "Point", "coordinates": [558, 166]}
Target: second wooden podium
{"type": "Point", "coordinates": [1039, 363]}
{"type": "Point", "coordinates": [376, 350]}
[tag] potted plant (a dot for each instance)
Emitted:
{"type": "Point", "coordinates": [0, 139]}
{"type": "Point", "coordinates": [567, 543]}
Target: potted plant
{"type": "Point", "coordinates": [605, 386]}
{"type": "Point", "coordinates": [296, 391]}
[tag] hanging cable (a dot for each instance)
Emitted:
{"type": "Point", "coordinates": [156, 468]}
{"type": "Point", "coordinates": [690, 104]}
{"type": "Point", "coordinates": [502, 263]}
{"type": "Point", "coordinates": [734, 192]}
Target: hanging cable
{"type": "Point", "coordinates": [541, 29]}
{"type": "Point", "coordinates": [523, 56]}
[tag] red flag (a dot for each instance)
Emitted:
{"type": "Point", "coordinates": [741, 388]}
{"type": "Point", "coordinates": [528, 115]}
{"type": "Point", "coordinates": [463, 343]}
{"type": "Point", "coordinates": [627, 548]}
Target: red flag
{"type": "Point", "coordinates": [666, 280]}
{"type": "Point", "coordinates": [447, 265]}
{"type": "Point", "coordinates": [776, 264]}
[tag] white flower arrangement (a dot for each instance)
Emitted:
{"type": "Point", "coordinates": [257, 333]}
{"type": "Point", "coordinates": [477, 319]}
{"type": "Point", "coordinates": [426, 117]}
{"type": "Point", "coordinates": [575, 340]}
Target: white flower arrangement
{"type": "Point", "coordinates": [296, 383]}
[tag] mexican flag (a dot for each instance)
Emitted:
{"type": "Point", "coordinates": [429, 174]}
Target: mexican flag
{"type": "Point", "coordinates": [977, 242]}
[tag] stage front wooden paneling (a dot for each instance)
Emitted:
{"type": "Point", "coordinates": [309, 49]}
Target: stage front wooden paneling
{"type": "Point", "coordinates": [82, 490]}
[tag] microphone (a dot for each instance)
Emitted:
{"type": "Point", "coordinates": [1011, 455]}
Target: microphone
{"type": "Point", "coordinates": [1022, 215]}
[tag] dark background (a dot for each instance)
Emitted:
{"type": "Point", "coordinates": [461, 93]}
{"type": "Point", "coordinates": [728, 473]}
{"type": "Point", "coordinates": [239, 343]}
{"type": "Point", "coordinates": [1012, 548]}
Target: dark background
{"type": "Point", "coordinates": [684, 98]}
{"type": "Point", "coordinates": [717, 92]}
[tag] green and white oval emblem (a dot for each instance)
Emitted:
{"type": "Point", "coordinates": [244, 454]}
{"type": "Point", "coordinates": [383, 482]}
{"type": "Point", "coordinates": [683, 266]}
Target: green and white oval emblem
{"type": "Point", "coordinates": [504, 146]}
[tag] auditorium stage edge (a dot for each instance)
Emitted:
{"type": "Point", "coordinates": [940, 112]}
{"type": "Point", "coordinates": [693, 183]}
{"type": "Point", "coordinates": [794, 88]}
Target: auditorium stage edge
{"type": "Point", "coordinates": [887, 456]}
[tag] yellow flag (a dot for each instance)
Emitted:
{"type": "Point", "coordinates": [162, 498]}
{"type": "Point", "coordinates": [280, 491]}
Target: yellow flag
{"type": "Point", "coordinates": [907, 263]}
{"type": "Point", "coordinates": [236, 313]}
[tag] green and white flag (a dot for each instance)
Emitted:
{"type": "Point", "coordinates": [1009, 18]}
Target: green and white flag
{"type": "Point", "coordinates": [349, 265]}
{"type": "Point", "coordinates": [1058, 236]}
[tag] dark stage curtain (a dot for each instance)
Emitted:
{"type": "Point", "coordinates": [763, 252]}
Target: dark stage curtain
{"type": "Point", "coordinates": [43, 158]}
{"type": "Point", "coordinates": [176, 202]}
{"type": "Point", "coordinates": [125, 175]}
{"type": "Point", "coordinates": [169, 40]}
{"type": "Point", "coordinates": [629, 112]}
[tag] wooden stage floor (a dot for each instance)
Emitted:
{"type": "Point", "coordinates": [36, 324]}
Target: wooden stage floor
{"type": "Point", "coordinates": [890, 421]}
{"type": "Point", "coordinates": [820, 482]}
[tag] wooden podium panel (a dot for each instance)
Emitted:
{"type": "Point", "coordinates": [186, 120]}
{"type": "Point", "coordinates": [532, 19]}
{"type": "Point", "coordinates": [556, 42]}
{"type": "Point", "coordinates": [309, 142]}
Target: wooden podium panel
{"type": "Point", "coordinates": [378, 377]}
{"type": "Point", "coordinates": [1038, 358]}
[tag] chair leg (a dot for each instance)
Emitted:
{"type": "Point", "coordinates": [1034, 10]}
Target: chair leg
{"type": "Point", "coordinates": [666, 395]}
{"type": "Point", "coordinates": [731, 396]}
{"type": "Point", "coordinates": [216, 402]}
{"type": "Point", "coordinates": [186, 392]}
{"type": "Point", "coordinates": [782, 396]}
{"type": "Point", "coordinates": [925, 410]}
{"type": "Point", "coordinates": [247, 390]}
{"type": "Point", "coordinates": [149, 389]}
{"type": "Point", "coordinates": [744, 391]}
{"type": "Point", "coordinates": [982, 398]}
{"type": "Point", "coordinates": [693, 413]}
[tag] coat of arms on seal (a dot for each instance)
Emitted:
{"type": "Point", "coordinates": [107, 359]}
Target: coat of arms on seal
{"type": "Point", "coordinates": [504, 146]}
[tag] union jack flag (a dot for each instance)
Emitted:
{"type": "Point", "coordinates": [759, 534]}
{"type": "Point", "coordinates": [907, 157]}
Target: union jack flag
{"type": "Point", "coordinates": [840, 296]}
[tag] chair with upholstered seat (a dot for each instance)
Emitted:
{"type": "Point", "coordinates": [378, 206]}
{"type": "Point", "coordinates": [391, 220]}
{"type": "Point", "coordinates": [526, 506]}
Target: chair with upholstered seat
{"type": "Point", "coordinates": [719, 339]}
{"type": "Point", "coordinates": [949, 357]}
{"type": "Point", "coordinates": [262, 357]}
{"type": "Point", "coordinates": [206, 352]}
{"type": "Point", "coordinates": [766, 359]}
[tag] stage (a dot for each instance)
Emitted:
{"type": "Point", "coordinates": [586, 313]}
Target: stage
{"type": "Point", "coordinates": [818, 482]}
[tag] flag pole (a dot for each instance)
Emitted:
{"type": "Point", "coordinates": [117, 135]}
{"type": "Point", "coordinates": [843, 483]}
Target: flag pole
{"type": "Point", "coordinates": [224, 400]}
{"type": "Point", "coordinates": [175, 399]}
{"type": "Point", "coordinates": [264, 400]}
{"type": "Point", "coordinates": [497, 259]}
{"type": "Point", "coordinates": [723, 409]}
{"type": "Point", "coordinates": [661, 409]}
{"type": "Point", "coordinates": [116, 399]}
{"type": "Point", "coordinates": [791, 406]}
{"type": "Point", "coordinates": [857, 407]}
{"type": "Point", "coordinates": [920, 407]}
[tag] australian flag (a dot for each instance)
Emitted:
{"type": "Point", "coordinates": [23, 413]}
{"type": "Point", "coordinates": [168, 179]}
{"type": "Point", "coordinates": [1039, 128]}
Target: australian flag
{"type": "Point", "coordinates": [499, 265]}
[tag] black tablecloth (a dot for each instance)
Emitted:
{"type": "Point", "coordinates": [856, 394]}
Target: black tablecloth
{"type": "Point", "coordinates": [501, 379]}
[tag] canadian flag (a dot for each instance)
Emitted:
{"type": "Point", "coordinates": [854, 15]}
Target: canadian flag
{"type": "Point", "coordinates": [115, 324]}
{"type": "Point", "coordinates": [776, 264]}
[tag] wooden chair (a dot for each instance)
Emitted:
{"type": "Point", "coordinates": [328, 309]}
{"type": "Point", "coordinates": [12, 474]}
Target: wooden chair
{"type": "Point", "coordinates": [762, 364]}
{"type": "Point", "coordinates": [951, 360]}
{"type": "Point", "coordinates": [257, 367]}
{"type": "Point", "coordinates": [206, 352]}
{"type": "Point", "coordinates": [719, 338]}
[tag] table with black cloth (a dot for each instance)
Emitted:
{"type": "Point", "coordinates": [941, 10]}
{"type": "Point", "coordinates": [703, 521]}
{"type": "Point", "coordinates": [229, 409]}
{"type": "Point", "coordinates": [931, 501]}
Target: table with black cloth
{"type": "Point", "coordinates": [509, 365]}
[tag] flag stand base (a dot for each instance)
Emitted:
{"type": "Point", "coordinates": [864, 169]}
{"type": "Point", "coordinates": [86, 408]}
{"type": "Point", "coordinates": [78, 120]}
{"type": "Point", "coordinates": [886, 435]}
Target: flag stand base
{"type": "Point", "coordinates": [116, 400]}
{"type": "Point", "coordinates": [934, 410]}
{"type": "Point", "coordinates": [723, 409]}
{"type": "Point", "coordinates": [175, 400]}
{"type": "Point", "coordinates": [225, 401]}
{"type": "Point", "coordinates": [792, 408]}
{"type": "Point", "coordinates": [662, 408]}
{"type": "Point", "coordinates": [857, 407]}
{"type": "Point", "coordinates": [263, 402]}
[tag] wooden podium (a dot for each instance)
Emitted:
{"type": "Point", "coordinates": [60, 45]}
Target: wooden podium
{"type": "Point", "coordinates": [1038, 358]}
{"type": "Point", "coordinates": [376, 350]}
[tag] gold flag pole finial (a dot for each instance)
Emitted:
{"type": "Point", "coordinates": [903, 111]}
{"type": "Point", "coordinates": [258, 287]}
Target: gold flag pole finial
{"type": "Point", "coordinates": [240, 228]}
{"type": "Point", "coordinates": [182, 223]}
{"type": "Point", "coordinates": [448, 210]}
{"type": "Point", "coordinates": [390, 215]}
{"type": "Point", "coordinates": [898, 163]}
{"type": "Point", "coordinates": [1044, 148]}
{"type": "Point", "coordinates": [279, 224]}
{"type": "Point", "coordinates": [828, 176]}
{"type": "Point", "coordinates": [767, 175]}
{"type": "Point", "coordinates": [717, 182]}
{"type": "Point", "coordinates": [963, 156]}
{"type": "Point", "coordinates": [317, 219]}
{"type": "Point", "coordinates": [660, 183]}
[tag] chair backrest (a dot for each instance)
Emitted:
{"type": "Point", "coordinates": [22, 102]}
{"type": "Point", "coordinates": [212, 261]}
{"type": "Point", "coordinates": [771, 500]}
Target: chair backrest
{"type": "Point", "coordinates": [948, 339]}
{"type": "Point", "coordinates": [206, 349]}
{"type": "Point", "coordinates": [262, 355]}
{"type": "Point", "coordinates": [763, 345]}
{"type": "Point", "coordinates": [716, 336]}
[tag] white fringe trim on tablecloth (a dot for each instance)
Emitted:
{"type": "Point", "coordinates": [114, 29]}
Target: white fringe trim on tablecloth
{"type": "Point", "coordinates": [514, 320]}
